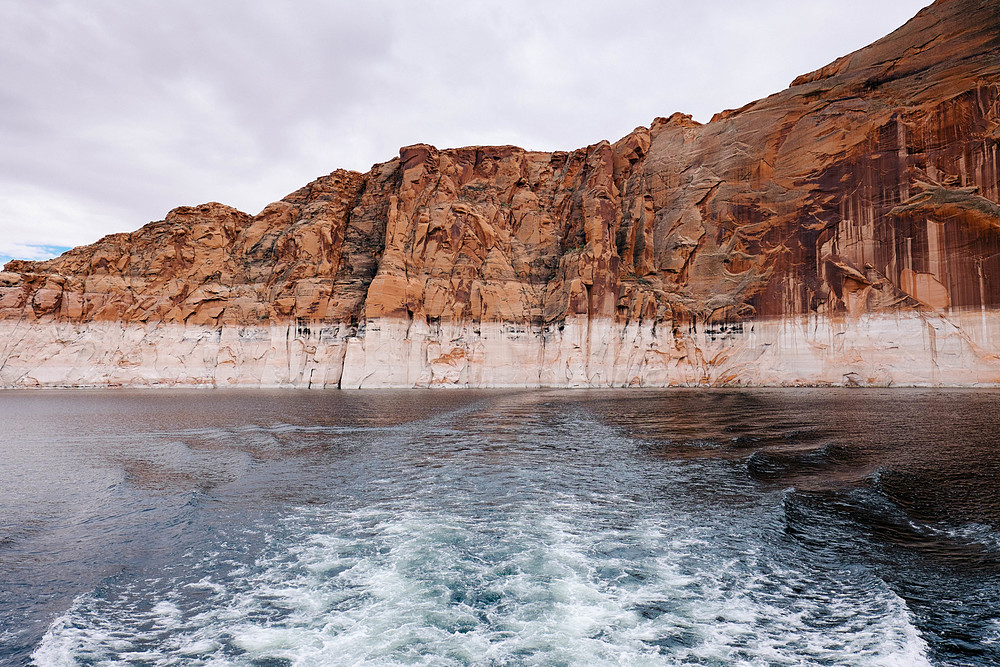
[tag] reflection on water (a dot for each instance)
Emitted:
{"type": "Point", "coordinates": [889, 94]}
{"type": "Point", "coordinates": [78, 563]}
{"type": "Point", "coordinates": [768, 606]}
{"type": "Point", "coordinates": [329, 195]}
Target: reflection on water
{"type": "Point", "coordinates": [762, 527]}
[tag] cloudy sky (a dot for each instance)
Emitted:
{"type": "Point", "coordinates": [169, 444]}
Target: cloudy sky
{"type": "Point", "coordinates": [112, 112]}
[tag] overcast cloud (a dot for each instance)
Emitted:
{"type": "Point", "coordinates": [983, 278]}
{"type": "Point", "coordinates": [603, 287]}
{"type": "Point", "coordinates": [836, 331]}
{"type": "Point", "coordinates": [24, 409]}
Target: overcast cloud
{"type": "Point", "coordinates": [113, 112]}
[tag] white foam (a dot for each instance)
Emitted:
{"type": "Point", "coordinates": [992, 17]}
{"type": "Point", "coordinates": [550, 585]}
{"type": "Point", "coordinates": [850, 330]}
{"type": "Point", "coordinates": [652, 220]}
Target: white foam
{"type": "Point", "coordinates": [546, 584]}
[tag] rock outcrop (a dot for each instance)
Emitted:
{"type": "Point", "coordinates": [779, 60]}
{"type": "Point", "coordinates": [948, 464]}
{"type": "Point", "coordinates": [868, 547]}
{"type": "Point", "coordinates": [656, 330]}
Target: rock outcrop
{"type": "Point", "coordinates": [845, 231]}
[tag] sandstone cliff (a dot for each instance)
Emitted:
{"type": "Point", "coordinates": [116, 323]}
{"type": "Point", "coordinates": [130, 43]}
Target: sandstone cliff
{"type": "Point", "coordinates": [843, 231]}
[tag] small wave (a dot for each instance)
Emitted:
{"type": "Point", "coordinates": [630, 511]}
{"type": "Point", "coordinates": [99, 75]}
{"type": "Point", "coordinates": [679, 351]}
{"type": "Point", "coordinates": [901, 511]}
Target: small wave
{"type": "Point", "coordinates": [785, 463]}
{"type": "Point", "coordinates": [887, 510]}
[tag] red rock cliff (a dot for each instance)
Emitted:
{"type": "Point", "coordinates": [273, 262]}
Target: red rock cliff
{"type": "Point", "coordinates": [843, 231]}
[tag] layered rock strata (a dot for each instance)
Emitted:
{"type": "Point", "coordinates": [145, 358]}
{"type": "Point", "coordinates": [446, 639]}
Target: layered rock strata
{"type": "Point", "coordinates": [844, 231]}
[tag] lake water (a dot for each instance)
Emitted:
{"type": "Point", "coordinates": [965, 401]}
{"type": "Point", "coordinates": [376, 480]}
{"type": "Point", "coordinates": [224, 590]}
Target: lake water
{"type": "Point", "coordinates": [266, 528]}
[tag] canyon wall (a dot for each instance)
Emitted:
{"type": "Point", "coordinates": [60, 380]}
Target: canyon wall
{"type": "Point", "coordinates": [844, 231]}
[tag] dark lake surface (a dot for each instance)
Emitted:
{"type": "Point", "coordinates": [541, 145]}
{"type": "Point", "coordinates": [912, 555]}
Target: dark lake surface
{"type": "Point", "coordinates": [716, 527]}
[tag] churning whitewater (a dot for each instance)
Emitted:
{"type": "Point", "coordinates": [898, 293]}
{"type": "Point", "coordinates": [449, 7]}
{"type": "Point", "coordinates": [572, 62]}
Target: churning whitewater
{"type": "Point", "coordinates": [529, 528]}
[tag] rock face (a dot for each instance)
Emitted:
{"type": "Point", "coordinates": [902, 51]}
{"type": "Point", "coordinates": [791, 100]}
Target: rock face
{"type": "Point", "coordinates": [845, 231]}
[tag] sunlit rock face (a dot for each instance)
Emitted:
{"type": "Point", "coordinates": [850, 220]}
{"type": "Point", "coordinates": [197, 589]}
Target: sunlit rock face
{"type": "Point", "coordinates": [845, 231]}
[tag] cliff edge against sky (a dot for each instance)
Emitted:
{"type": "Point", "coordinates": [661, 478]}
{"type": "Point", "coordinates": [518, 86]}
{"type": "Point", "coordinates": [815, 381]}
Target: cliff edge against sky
{"type": "Point", "coordinates": [844, 231]}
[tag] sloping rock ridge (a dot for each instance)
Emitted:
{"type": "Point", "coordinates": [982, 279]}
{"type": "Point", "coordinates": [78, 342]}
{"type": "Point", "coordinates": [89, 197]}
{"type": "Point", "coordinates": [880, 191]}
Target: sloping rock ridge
{"type": "Point", "coordinates": [845, 231]}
